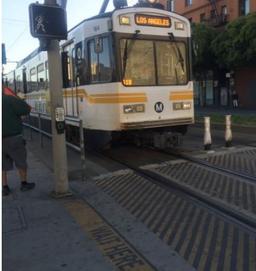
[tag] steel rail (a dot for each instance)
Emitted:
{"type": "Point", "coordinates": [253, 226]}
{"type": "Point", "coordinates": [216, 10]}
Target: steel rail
{"type": "Point", "coordinates": [209, 165]}
{"type": "Point", "coordinates": [222, 209]}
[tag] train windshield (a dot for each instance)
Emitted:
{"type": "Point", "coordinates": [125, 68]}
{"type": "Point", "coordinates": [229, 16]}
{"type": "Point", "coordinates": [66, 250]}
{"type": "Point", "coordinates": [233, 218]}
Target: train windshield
{"type": "Point", "coordinates": [147, 62]}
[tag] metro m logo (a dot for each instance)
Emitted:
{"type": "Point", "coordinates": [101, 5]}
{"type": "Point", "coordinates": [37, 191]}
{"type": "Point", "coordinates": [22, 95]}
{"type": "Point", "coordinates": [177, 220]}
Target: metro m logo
{"type": "Point", "coordinates": [159, 107]}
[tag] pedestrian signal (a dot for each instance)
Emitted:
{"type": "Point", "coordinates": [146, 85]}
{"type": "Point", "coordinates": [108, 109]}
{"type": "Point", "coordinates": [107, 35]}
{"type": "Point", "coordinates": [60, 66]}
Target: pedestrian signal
{"type": "Point", "coordinates": [48, 22]}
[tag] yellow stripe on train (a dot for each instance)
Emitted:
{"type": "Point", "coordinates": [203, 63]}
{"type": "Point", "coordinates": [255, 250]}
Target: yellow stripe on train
{"type": "Point", "coordinates": [181, 95]}
{"type": "Point", "coordinates": [105, 98]}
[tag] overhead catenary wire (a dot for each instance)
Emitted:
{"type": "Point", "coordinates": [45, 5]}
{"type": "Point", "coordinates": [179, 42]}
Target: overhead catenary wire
{"type": "Point", "coordinates": [21, 34]}
{"type": "Point", "coordinates": [14, 20]}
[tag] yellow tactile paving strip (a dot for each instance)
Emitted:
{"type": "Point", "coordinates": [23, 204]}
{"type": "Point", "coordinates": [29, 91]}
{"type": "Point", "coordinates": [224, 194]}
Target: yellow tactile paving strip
{"type": "Point", "coordinates": [112, 245]}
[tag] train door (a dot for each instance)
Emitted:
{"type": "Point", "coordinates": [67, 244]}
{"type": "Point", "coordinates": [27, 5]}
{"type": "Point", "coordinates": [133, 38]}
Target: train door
{"type": "Point", "coordinates": [24, 80]}
{"type": "Point", "coordinates": [70, 93]}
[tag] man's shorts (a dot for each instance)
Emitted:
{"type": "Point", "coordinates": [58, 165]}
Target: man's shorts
{"type": "Point", "coordinates": [14, 152]}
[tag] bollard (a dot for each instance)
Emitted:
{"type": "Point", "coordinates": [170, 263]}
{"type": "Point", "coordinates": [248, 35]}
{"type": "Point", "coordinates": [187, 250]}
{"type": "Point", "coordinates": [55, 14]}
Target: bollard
{"type": "Point", "coordinates": [228, 133]}
{"type": "Point", "coordinates": [207, 134]}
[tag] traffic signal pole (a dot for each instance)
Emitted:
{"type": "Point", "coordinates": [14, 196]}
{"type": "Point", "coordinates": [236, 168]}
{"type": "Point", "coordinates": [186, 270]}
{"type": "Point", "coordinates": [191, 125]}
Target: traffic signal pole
{"type": "Point", "coordinates": [59, 150]}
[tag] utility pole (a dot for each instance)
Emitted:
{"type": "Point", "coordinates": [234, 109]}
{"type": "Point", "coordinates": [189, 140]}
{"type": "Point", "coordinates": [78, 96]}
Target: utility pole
{"type": "Point", "coordinates": [48, 23]}
{"type": "Point", "coordinates": [59, 150]}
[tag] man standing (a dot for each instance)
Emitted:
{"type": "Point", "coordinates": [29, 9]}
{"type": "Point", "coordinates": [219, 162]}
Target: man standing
{"type": "Point", "coordinates": [13, 146]}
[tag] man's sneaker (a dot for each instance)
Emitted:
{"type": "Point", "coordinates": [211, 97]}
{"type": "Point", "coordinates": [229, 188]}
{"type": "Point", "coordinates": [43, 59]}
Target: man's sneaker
{"type": "Point", "coordinates": [26, 186]}
{"type": "Point", "coordinates": [6, 190]}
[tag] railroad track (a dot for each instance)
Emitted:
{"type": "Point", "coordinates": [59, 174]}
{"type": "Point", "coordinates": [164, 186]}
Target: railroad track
{"type": "Point", "coordinates": [168, 182]}
{"type": "Point", "coordinates": [208, 164]}
{"type": "Point", "coordinates": [210, 233]}
{"type": "Point", "coordinates": [207, 233]}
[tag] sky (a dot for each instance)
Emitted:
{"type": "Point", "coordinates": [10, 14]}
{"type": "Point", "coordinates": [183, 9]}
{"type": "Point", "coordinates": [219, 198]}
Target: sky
{"type": "Point", "coordinates": [15, 24]}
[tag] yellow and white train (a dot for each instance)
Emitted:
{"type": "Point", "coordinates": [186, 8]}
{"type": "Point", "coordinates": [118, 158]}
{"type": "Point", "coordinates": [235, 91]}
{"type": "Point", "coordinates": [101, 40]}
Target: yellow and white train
{"type": "Point", "coordinates": [125, 72]}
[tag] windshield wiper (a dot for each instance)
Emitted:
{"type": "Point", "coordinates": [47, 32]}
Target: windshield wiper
{"type": "Point", "coordinates": [125, 57]}
{"type": "Point", "coordinates": [127, 50]}
{"type": "Point", "coordinates": [179, 56]}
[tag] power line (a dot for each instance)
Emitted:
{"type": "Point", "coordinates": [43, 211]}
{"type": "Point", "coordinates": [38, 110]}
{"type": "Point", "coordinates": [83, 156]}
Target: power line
{"type": "Point", "coordinates": [14, 20]}
{"type": "Point", "coordinates": [21, 34]}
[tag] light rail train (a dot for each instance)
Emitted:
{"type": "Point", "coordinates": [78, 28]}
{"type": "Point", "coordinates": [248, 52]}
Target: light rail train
{"type": "Point", "coordinates": [126, 73]}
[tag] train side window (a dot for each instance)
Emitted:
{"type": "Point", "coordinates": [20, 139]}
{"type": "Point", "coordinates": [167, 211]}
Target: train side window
{"type": "Point", "coordinates": [41, 76]}
{"type": "Point", "coordinates": [46, 75]}
{"type": "Point", "coordinates": [65, 77]}
{"type": "Point", "coordinates": [100, 63]}
{"type": "Point", "coordinates": [11, 82]}
{"type": "Point", "coordinates": [33, 80]}
{"type": "Point", "coordinates": [67, 68]}
{"type": "Point", "coordinates": [80, 64]}
{"type": "Point", "coordinates": [19, 87]}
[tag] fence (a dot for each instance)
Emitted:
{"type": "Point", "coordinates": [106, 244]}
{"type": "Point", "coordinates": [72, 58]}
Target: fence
{"type": "Point", "coordinates": [30, 124]}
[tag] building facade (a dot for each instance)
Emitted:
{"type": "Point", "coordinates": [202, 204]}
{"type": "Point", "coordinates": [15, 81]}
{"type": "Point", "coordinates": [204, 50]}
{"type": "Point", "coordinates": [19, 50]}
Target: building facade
{"type": "Point", "coordinates": [207, 10]}
{"type": "Point", "coordinates": [217, 13]}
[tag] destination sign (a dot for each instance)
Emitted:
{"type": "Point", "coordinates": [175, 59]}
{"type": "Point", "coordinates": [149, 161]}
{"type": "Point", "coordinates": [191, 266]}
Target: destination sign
{"type": "Point", "coordinates": [148, 20]}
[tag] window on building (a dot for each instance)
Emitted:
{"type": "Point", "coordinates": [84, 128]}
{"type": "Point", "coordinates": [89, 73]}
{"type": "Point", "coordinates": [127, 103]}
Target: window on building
{"type": "Point", "coordinates": [212, 14]}
{"type": "Point", "coordinates": [247, 7]}
{"type": "Point", "coordinates": [224, 10]}
{"type": "Point", "coordinates": [188, 2]}
{"type": "Point", "coordinates": [244, 7]}
{"type": "Point", "coordinates": [190, 19]}
{"type": "Point", "coordinates": [224, 13]}
{"type": "Point", "coordinates": [100, 64]}
{"type": "Point", "coordinates": [202, 17]}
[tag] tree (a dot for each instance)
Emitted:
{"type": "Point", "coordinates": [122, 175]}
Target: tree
{"type": "Point", "coordinates": [236, 46]}
{"type": "Point", "coordinates": [203, 55]}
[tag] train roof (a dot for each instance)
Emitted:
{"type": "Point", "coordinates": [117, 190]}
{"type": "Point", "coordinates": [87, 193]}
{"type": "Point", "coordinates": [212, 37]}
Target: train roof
{"type": "Point", "coordinates": [36, 51]}
{"type": "Point", "coordinates": [99, 16]}
{"type": "Point", "coordinates": [31, 55]}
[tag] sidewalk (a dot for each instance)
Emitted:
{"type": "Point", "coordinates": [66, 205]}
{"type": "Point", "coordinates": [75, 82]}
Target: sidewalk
{"type": "Point", "coordinates": [202, 111]}
{"type": "Point", "coordinates": [240, 118]}
{"type": "Point", "coordinates": [42, 233]}
{"type": "Point", "coordinates": [39, 234]}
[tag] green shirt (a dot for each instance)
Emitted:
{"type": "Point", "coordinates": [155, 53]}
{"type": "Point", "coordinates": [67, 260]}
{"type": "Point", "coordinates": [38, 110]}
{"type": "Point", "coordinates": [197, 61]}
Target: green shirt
{"type": "Point", "coordinates": [12, 110]}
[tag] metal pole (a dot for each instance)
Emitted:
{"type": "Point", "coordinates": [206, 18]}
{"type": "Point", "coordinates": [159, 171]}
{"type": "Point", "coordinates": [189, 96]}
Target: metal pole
{"type": "Point", "coordinates": [40, 130]}
{"type": "Point", "coordinates": [58, 140]}
{"type": "Point", "coordinates": [30, 125]}
{"type": "Point", "coordinates": [82, 149]}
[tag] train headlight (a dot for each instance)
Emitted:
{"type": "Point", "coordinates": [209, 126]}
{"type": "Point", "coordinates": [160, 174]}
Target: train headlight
{"type": "Point", "coordinates": [179, 26]}
{"type": "Point", "coordinates": [124, 20]}
{"type": "Point", "coordinates": [182, 106]}
{"type": "Point", "coordinates": [186, 105]}
{"type": "Point", "coordinates": [152, 1]}
{"type": "Point", "coordinates": [177, 106]}
{"type": "Point", "coordinates": [134, 108]}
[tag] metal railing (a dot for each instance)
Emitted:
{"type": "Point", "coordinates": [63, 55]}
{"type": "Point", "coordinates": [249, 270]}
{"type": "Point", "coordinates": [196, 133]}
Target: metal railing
{"type": "Point", "coordinates": [73, 121]}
